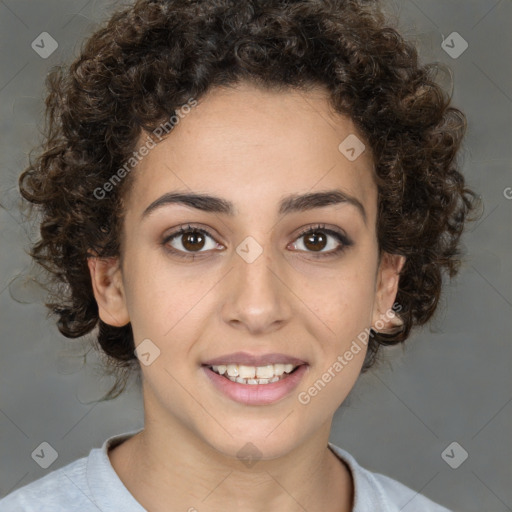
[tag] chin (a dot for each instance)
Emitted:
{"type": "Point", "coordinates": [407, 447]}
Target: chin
{"type": "Point", "coordinates": [251, 441]}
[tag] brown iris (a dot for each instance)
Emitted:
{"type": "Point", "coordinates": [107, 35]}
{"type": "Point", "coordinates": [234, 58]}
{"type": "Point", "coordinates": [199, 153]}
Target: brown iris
{"type": "Point", "coordinates": [191, 238]}
{"type": "Point", "coordinates": [312, 241]}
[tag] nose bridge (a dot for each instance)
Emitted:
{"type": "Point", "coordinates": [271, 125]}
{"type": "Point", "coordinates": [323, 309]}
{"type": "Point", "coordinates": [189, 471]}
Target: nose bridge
{"type": "Point", "coordinates": [257, 297]}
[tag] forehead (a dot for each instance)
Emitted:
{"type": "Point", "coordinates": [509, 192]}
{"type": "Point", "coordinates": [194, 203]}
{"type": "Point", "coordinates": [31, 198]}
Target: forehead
{"type": "Point", "coordinates": [255, 146]}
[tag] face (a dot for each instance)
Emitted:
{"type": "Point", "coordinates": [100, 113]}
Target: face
{"type": "Point", "coordinates": [281, 267]}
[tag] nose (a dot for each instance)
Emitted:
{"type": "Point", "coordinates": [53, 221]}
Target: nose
{"type": "Point", "coordinates": [257, 295]}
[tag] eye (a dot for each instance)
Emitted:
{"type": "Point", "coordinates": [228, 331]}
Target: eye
{"type": "Point", "coordinates": [316, 240]}
{"type": "Point", "coordinates": [189, 240]}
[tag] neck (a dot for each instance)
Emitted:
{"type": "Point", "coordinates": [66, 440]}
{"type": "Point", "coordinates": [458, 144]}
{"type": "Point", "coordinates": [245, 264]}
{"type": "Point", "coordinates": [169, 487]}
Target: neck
{"type": "Point", "coordinates": [168, 467]}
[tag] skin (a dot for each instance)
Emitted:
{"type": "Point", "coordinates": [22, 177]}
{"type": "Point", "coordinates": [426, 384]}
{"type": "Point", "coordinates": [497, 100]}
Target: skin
{"type": "Point", "coordinates": [250, 147]}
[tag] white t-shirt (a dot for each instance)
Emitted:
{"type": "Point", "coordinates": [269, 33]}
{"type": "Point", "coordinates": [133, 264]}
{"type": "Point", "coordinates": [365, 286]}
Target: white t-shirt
{"type": "Point", "coordinates": [90, 484]}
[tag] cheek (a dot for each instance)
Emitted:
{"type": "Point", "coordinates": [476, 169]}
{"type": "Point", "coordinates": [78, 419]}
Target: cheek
{"type": "Point", "coordinates": [169, 304]}
{"type": "Point", "coordinates": [155, 298]}
{"type": "Point", "coordinates": [340, 299]}
{"type": "Point", "coordinates": [340, 327]}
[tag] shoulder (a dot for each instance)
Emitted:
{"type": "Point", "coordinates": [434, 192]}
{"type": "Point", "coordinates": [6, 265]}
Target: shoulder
{"type": "Point", "coordinates": [89, 484]}
{"type": "Point", "coordinates": [404, 499]}
{"type": "Point", "coordinates": [375, 491]}
{"type": "Point", "coordinates": [61, 490]}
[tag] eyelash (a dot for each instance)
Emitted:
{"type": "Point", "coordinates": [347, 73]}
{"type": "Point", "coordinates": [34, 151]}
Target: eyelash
{"type": "Point", "coordinates": [345, 242]}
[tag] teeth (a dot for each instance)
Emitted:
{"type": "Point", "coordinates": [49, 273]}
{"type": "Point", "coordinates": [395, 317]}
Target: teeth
{"type": "Point", "coordinates": [247, 372]}
{"type": "Point", "coordinates": [232, 370]}
{"type": "Point", "coordinates": [265, 372]}
{"type": "Point", "coordinates": [254, 374]}
{"type": "Point", "coordinates": [279, 369]}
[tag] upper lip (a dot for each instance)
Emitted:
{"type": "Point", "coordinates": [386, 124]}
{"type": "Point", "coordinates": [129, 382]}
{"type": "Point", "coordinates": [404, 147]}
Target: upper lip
{"type": "Point", "coordinates": [247, 359]}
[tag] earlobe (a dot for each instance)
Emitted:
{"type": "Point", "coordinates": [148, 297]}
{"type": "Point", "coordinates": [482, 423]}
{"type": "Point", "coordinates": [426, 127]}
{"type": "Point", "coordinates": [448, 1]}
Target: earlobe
{"type": "Point", "coordinates": [108, 290]}
{"type": "Point", "coordinates": [384, 319]}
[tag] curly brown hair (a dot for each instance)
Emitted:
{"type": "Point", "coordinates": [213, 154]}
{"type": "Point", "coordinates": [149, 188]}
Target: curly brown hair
{"type": "Point", "coordinates": [147, 60]}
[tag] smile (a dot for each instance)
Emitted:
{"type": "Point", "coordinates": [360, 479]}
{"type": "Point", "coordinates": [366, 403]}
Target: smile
{"type": "Point", "coordinates": [252, 375]}
{"type": "Point", "coordinates": [279, 381]}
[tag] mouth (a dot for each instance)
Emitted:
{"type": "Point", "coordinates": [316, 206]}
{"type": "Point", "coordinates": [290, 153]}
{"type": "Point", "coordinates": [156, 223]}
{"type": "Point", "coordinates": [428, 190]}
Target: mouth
{"type": "Point", "coordinates": [255, 379]}
{"type": "Point", "coordinates": [254, 375]}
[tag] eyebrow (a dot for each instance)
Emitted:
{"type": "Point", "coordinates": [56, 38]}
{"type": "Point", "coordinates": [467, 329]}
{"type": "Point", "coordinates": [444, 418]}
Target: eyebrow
{"type": "Point", "coordinates": [289, 204]}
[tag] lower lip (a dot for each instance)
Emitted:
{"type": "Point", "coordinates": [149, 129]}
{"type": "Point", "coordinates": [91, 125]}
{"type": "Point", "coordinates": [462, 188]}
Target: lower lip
{"type": "Point", "coordinates": [256, 394]}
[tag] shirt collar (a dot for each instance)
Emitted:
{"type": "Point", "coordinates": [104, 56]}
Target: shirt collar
{"type": "Point", "coordinates": [107, 489]}
{"type": "Point", "coordinates": [368, 494]}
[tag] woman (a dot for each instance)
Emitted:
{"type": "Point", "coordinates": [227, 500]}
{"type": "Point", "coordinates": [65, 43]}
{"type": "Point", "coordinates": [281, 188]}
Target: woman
{"type": "Point", "coordinates": [247, 199]}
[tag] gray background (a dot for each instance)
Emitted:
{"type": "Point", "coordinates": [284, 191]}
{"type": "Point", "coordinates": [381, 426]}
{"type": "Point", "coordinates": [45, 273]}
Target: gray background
{"type": "Point", "coordinates": [451, 383]}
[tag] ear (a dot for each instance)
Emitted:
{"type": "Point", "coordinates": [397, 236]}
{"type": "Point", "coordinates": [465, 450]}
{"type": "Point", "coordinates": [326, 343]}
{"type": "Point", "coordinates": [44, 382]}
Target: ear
{"type": "Point", "coordinates": [383, 317]}
{"type": "Point", "coordinates": [108, 290]}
